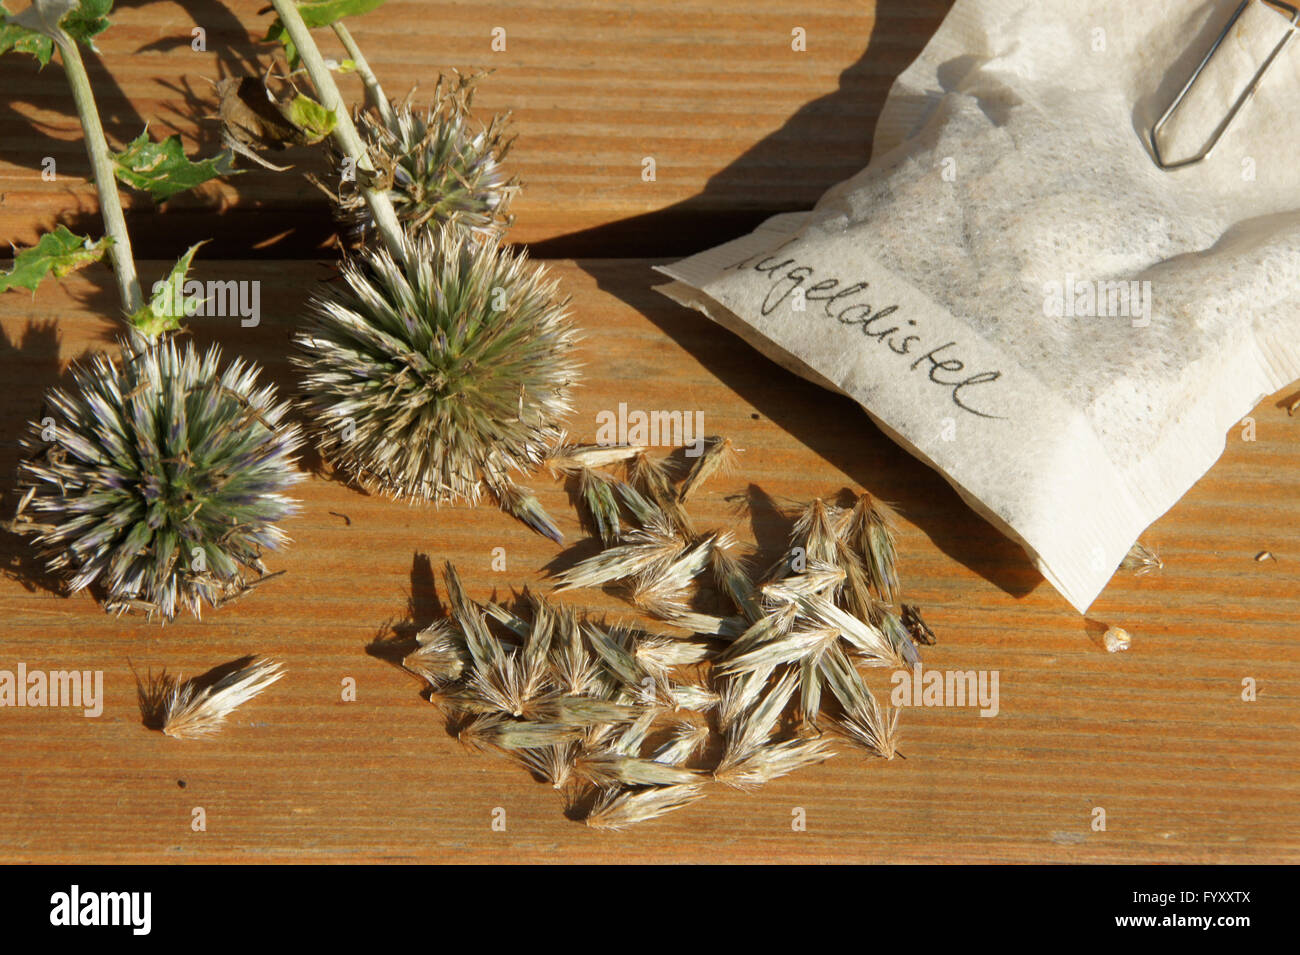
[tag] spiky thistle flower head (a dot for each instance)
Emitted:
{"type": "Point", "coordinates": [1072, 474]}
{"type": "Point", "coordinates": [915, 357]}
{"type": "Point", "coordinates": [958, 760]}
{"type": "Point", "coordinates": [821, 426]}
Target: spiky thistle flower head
{"type": "Point", "coordinates": [430, 377]}
{"type": "Point", "coordinates": [438, 167]}
{"type": "Point", "coordinates": [159, 477]}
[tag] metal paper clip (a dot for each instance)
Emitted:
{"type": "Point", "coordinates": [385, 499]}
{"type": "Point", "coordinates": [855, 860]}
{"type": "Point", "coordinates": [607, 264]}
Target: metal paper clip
{"type": "Point", "coordinates": [1245, 96]}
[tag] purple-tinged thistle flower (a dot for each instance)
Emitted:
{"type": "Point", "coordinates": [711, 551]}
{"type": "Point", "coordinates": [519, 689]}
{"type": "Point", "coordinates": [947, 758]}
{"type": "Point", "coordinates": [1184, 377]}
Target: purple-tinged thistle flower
{"type": "Point", "coordinates": [159, 478]}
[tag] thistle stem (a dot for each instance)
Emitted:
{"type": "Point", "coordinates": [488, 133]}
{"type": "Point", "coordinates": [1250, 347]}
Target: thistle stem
{"type": "Point", "coordinates": [375, 91]}
{"type": "Point", "coordinates": [101, 162]}
{"type": "Point", "coordinates": [345, 134]}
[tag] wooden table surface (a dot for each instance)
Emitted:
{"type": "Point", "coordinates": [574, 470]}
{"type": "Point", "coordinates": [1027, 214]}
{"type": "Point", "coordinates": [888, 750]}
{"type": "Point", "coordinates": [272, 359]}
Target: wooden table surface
{"type": "Point", "coordinates": [1159, 737]}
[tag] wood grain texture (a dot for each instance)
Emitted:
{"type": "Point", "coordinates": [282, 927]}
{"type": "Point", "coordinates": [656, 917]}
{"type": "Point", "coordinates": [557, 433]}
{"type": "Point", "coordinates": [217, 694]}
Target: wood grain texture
{"type": "Point", "coordinates": [1159, 736]}
{"type": "Point", "coordinates": [739, 124]}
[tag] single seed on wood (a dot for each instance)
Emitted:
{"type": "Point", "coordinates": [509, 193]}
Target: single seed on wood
{"type": "Point", "coordinates": [1116, 639]}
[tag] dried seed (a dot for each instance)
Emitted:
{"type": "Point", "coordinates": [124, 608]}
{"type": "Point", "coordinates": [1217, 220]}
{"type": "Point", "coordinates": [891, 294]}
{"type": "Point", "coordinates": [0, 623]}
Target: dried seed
{"type": "Point", "coordinates": [552, 763]}
{"type": "Point", "coordinates": [508, 685]}
{"type": "Point", "coordinates": [864, 720]}
{"type": "Point", "coordinates": [765, 763]}
{"type": "Point", "coordinates": [732, 580]}
{"type": "Point", "coordinates": [771, 626]}
{"type": "Point", "coordinates": [651, 478]}
{"type": "Point", "coordinates": [441, 656]}
{"type": "Point", "coordinates": [814, 531]}
{"type": "Point", "coordinates": [618, 810]}
{"type": "Point", "coordinates": [888, 623]}
{"type": "Point", "coordinates": [521, 503]}
{"type": "Point", "coordinates": [596, 491]}
{"type": "Point", "coordinates": [874, 647]}
{"type": "Point", "coordinates": [483, 647]}
{"type": "Point", "coordinates": [658, 654]}
{"type": "Point", "coordinates": [916, 626]}
{"type": "Point", "coordinates": [688, 696]}
{"type": "Point", "coordinates": [646, 512]}
{"type": "Point", "coordinates": [493, 730]}
{"type": "Point", "coordinates": [817, 579]}
{"type": "Point", "coordinates": [570, 458]}
{"type": "Point", "coordinates": [871, 530]}
{"type": "Point", "coordinates": [754, 726]}
{"type": "Point", "coordinates": [795, 646]}
{"type": "Point", "coordinates": [676, 575]}
{"type": "Point", "coordinates": [738, 696]}
{"type": "Point", "coordinates": [855, 591]}
{"type": "Point", "coordinates": [688, 739]}
{"type": "Point", "coordinates": [575, 667]}
{"type": "Point", "coordinates": [677, 613]}
{"type": "Point", "coordinates": [581, 710]}
{"type": "Point", "coordinates": [611, 770]}
{"type": "Point", "coordinates": [631, 740]}
{"type": "Point", "coordinates": [642, 553]}
{"type": "Point", "coordinates": [718, 458]}
{"type": "Point", "coordinates": [1142, 560]}
{"type": "Point", "coordinates": [193, 711]}
{"type": "Point", "coordinates": [1116, 639]}
{"type": "Point", "coordinates": [617, 659]}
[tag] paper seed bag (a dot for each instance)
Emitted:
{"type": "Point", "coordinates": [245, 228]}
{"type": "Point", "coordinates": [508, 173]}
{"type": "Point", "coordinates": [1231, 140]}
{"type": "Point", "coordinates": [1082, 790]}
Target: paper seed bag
{"type": "Point", "coordinates": [1019, 295]}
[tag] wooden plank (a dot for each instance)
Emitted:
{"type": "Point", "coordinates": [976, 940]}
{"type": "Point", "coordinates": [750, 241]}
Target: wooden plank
{"type": "Point", "coordinates": [1159, 737]}
{"type": "Point", "coordinates": [714, 93]}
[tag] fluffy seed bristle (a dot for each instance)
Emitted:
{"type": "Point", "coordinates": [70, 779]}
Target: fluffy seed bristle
{"type": "Point", "coordinates": [1142, 560]}
{"type": "Point", "coordinates": [644, 552]}
{"type": "Point", "coordinates": [620, 809]}
{"type": "Point", "coordinates": [871, 530]}
{"type": "Point", "coordinates": [865, 722]}
{"type": "Point", "coordinates": [190, 710]}
{"type": "Point", "coordinates": [718, 458]}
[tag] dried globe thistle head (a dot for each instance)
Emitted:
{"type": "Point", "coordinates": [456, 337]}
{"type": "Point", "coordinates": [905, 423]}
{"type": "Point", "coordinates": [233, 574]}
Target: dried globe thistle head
{"type": "Point", "coordinates": [159, 477]}
{"type": "Point", "coordinates": [439, 167]}
{"type": "Point", "coordinates": [433, 378]}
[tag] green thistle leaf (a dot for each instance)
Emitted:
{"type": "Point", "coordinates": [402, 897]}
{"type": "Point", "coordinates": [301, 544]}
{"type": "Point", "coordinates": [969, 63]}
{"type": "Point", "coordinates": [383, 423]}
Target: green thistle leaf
{"type": "Point", "coordinates": [161, 314]}
{"type": "Point", "coordinates": [317, 13]}
{"type": "Point", "coordinates": [311, 118]}
{"type": "Point", "coordinates": [14, 37]}
{"type": "Point", "coordinates": [162, 169]}
{"type": "Point", "coordinates": [88, 20]}
{"type": "Point", "coordinates": [32, 31]}
{"type": "Point", "coordinates": [57, 253]}
{"type": "Point", "coordinates": [321, 13]}
{"type": "Point", "coordinates": [278, 34]}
